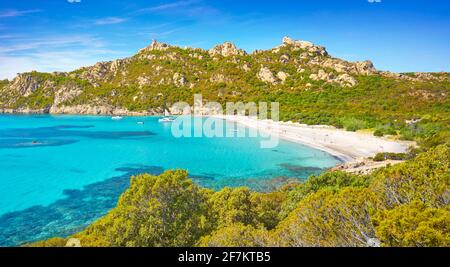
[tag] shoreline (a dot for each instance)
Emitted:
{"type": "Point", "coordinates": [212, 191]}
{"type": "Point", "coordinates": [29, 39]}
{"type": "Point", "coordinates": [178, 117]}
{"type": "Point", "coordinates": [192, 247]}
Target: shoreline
{"type": "Point", "coordinates": [345, 145]}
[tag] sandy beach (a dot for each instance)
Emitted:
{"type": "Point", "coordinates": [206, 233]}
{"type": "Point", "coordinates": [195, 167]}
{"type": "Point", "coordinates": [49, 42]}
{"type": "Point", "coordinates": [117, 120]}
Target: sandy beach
{"type": "Point", "coordinates": [347, 146]}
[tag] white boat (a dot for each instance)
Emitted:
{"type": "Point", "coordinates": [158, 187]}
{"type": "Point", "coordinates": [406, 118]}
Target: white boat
{"type": "Point", "coordinates": [166, 119]}
{"type": "Point", "coordinates": [140, 122]}
{"type": "Point", "coordinates": [116, 118]}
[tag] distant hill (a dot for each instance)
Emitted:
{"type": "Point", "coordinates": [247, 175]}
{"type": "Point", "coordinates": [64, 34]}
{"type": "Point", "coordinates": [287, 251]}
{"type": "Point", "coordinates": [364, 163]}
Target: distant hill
{"type": "Point", "coordinates": [312, 87]}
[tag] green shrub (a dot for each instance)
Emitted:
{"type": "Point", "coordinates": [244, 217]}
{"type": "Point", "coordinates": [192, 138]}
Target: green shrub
{"type": "Point", "coordinates": [390, 156]}
{"type": "Point", "coordinates": [378, 133]}
{"type": "Point", "coordinates": [354, 124]}
{"type": "Point", "coordinates": [413, 225]}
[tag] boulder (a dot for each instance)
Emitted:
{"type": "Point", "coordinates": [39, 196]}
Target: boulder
{"type": "Point", "coordinates": [143, 81]}
{"type": "Point", "coordinates": [297, 43]}
{"type": "Point", "coordinates": [284, 58]}
{"type": "Point", "coordinates": [312, 49]}
{"type": "Point", "coordinates": [179, 80]}
{"type": "Point", "coordinates": [365, 67]}
{"type": "Point", "coordinates": [282, 76]}
{"type": "Point", "coordinates": [266, 75]}
{"type": "Point", "coordinates": [343, 79]}
{"type": "Point", "coordinates": [155, 45]}
{"type": "Point", "coordinates": [245, 67]}
{"type": "Point", "coordinates": [219, 78]}
{"type": "Point", "coordinates": [226, 49]}
{"type": "Point", "coordinates": [346, 80]}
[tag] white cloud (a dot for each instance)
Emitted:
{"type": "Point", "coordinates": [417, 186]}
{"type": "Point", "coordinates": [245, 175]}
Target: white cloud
{"type": "Point", "coordinates": [168, 6]}
{"type": "Point", "coordinates": [16, 13]}
{"type": "Point", "coordinates": [50, 61]}
{"type": "Point", "coordinates": [74, 1]}
{"type": "Point", "coordinates": [182, 9]}
{"type": "Point", "coordinates": [7, 36]}
{"type": "Point", "coordinates": [10, 66]}
{"type": "Point", "coordinates": [110, 20]}
{"type": "Point", "coordinates": [20, 45]}
{"type": "Point", "coordinates": [52, 53]}
{"type": "Point", "coordinates": [159, 34]}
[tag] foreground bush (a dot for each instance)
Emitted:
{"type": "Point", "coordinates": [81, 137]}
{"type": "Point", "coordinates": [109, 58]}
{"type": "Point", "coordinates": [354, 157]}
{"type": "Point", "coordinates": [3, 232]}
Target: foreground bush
{"type": "Point", "coordinates": [414, 225]}
{"type": "Point", "coordinates": [330, 219]}
{"type": "Point", "coordinates": [169, 210]}
{"type": "Point", "coordinates": [402, 205]}
{"type": "Point", "coordinates": [236, 235]}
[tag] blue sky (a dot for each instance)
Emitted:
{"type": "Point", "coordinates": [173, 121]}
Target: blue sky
{"type": "Point", "coordinates": [61, 35]}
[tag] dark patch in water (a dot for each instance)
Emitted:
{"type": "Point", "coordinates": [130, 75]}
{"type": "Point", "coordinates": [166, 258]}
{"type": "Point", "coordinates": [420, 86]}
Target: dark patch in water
{"type": "Point", "coordinates": [68, 215]}
{"type": "Point", "coordinates": [301, 170]}
{"type": "Point", "coordinates": [135, 169]}
{"type": "Point", "coordinates": [64, 131]}
{"type": "Point", "coordinates": [255, 184]}
{"type": "Point", "coordinates": [73, 126]}
{"type": "Point", "coordinates": [196, 178]}
{"type": "Point", "coordinates": [31, 143]}
{"type": "Point", "coordinates": [279, 151]}
{"type": "Point", "coordinates": [77, 171]}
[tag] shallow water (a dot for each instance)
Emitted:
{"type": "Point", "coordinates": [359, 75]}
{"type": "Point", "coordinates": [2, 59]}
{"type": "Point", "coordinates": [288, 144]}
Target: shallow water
{"type": "Point", "coordinates": [60, 173]}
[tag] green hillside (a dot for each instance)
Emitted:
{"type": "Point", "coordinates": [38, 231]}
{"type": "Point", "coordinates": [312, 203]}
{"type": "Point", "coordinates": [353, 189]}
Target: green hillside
{"type": "Point", "coordinates": [311, 86]}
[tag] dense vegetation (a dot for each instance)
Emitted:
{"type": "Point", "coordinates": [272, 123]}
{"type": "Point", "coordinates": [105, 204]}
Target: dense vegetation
{"type": "Point", "coordinates": [402, 205]}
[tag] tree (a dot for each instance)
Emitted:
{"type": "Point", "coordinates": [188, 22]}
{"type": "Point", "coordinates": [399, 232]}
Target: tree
{"type": "Point", "coordinates": [425, 179]}
{"type": "Point", "coordinates": [330, 219]}
{"type": "Point", "coordinates": [168, 210]}
{"type": "Point", "coordinates": [231, 206]}
{"type": "Point", "coordinates": [267, 207]}
{"type": "Point", "coordinates": [414, 225]}
{"type": "Point", "coordinates": [236, 235]}
{"type": "Point", "coordinates": [333, 181]}
{"type": "Point", "coordinates": [52, 242]}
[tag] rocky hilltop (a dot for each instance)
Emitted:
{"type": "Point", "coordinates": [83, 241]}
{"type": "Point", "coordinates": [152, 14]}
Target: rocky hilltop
{"type": "Point", "coordinates": [140, 84]}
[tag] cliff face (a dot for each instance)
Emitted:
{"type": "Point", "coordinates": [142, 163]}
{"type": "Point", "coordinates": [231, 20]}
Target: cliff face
{"type": "Point", "coordinates": [134, 85]}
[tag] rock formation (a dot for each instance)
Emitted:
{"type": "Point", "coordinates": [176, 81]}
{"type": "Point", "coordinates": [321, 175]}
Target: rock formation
{"type": "Point", "coordinates": [226, 49]}
{"type": "Point", "coordinates": [179, 80]}
{"type": "Point", "coordinates": [266, 75]}
{"type": "Point", "coordinates": [155, 45]}
{"type": "Point", "coordinates": [343, 79]}
{"type": "Point", "coordinates": [281, 75]}
{"type": "Point", "coordinates": [305, 45]}
{"type": "Point", "coordinates": [25, 84]}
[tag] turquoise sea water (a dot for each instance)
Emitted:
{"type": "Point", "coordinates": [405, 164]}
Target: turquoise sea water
{"type": "Point", "coordinates": [60, 173]}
